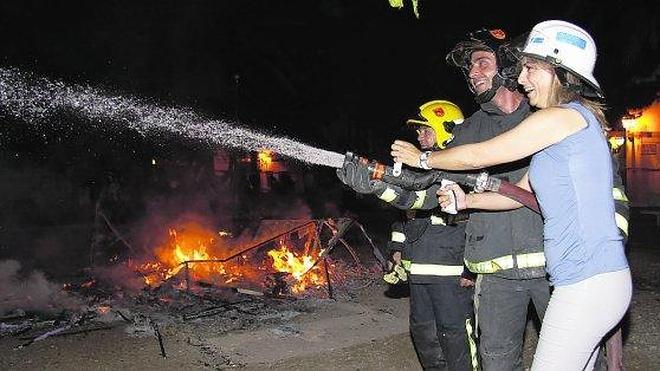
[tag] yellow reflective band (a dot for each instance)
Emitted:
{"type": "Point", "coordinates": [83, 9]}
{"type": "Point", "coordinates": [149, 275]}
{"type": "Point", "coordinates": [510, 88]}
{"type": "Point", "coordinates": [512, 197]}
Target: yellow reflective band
{"type": "Point", "coordinates": [619, 195]}
{"type": "Point", "coordinates": [473, 346]}
{"type": "Point", "coordinates": [491, 266]}
{"type": "Point", "coordinates": [388, 195]}
{"type": "Point", "coordinates": [436, 269]}
{"type": "Point", "coordinates": [437, 220]}
{"type": "Point", "coordinates": [398, 237]}
{"type": "Point", "coordinates": [396, 3]}
{"type": "Point", "coordinates": [406, 264]}
{"type": "Point", "coordinates": [621, 222]}
{"type": "Point", "coordinates": [531, 260]}
{"type": "Point", "coordinates": [421, 195]}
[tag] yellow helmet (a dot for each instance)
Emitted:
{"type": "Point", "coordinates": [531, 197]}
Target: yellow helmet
{"type": "Point", "coordinates": [441, 116]}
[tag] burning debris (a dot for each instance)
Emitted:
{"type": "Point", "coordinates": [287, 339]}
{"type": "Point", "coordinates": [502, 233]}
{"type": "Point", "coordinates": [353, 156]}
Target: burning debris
{"type": "Point", "coordinates": [202, 275]}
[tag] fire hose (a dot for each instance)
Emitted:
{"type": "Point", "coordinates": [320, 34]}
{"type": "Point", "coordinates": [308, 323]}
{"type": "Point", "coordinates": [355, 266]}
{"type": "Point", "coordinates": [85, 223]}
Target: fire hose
{"type": "Point", "coordinates": [415, 181]}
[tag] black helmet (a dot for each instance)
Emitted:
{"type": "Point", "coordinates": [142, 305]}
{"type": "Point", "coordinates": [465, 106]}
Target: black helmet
{"type": "Point", "coordinates": [492, 40]}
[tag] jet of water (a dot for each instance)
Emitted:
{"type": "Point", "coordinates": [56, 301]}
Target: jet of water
{"type": "Point", "coordinates": [36, 99]}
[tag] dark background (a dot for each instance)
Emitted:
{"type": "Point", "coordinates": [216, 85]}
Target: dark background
{"type": "Point", "coordinates": [305, 68]}
{"type": "Point", "coordinates": [337, 74]}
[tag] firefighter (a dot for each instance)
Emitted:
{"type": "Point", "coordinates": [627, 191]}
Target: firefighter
{"type": "Point", "coordinates": [427, 251]}
{"type": "Point", "coordinates": [504, 248]}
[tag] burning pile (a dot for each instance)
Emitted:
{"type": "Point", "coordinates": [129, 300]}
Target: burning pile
{"type": "Point", "coordinates": [202, 255]}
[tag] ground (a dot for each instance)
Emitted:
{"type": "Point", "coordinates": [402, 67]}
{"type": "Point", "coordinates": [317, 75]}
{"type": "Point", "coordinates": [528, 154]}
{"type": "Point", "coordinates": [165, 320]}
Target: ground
{"type": "Point", "coordinates": [364, 328]}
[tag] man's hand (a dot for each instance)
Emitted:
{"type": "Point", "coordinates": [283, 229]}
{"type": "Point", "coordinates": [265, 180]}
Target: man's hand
{"type": "Point", "coordinates": [406, 152]}
{"type": "Point", "coordinates": [452, 193]}
{"type": "Point", "coordinates": [465, 282]}
{"type": "Point", "coordinates": [396, 257]}
{"type": "Point", "coordinates": [356, 176]}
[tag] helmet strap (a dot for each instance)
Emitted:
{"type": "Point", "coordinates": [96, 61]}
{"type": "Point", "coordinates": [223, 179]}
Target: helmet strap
{"type": "Point", "coordinates": [486, 96]}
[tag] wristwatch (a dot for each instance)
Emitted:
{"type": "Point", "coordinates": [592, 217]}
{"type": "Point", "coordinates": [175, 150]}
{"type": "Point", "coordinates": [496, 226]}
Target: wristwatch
{"type": "Point", "coordinates": [423, 160]}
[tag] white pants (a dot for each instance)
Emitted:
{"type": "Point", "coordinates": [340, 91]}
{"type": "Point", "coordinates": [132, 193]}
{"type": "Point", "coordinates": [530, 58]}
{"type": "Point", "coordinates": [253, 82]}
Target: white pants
{"type": "Point", "coordinates": [577, 318]}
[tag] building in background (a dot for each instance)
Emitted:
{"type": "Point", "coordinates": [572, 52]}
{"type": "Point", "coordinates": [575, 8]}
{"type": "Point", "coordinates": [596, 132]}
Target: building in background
{"type": "Point", "coordinates": [642, 163]}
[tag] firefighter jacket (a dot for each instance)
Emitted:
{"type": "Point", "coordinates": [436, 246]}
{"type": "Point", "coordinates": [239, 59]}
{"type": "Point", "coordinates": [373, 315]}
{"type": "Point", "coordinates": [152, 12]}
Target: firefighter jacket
{"type": "Point", "coordinates": [431, 249]}
{"type": "Point", "coordinates": [621, 207]}
{"type": "Point", "coordinates": [508, 244]}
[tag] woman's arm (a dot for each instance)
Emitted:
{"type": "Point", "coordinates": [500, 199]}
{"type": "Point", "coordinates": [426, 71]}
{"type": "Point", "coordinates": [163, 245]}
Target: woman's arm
{"type": "Point", "coordinates": [538, 131]}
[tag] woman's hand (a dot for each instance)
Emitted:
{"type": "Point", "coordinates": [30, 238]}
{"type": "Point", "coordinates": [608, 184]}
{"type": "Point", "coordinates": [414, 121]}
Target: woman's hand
{"type": "Point", "coordinates": [445, 199]}
{"type": "Point", "coordinates": [405, 152]}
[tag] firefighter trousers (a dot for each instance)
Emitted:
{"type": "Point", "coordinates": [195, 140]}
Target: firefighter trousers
{"type": "Point", "coordinates": [502, 317]}
{"type": "Point", "coordinates": [441, 325]}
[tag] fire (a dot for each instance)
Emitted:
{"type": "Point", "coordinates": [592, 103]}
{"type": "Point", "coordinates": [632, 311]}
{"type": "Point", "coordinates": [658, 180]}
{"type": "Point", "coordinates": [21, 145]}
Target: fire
{"type": "Point", "coordinates": [184, 250]}
{"type": "Point", "coordinates": [196, 250]}
{"type": "Point", "coordinates": [301, 268]}
{"type": "Point", "coordinates": [265, 160]}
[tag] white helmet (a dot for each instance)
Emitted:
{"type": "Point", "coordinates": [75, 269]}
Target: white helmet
{"type": "Point", "coordinates": [566, 46]}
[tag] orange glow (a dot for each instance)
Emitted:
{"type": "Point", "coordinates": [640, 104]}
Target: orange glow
{"type": "Point", "coordinates": [265, 160]}
{"type": "Point", "coordinates": [645, 119]}
{"type": "Point", "coordinates": [629, 123]}
{"type": "Point", "coordinates": [103, 309]}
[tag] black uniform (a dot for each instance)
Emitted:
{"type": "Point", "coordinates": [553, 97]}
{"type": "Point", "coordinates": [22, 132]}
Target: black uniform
{"type": "Point", "coordinates": [506, 249]}
{"type": "Point", "coordinates": [441, 322]}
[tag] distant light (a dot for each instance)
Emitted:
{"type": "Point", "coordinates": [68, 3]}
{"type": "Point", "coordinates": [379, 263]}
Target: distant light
{"type": "Point", "coordinates": [629, 123]}
{"type": "Point", "coordinates": [153, 161]}
{"type": "Point", "coordinates": [630, 120]}
{"type": "Point", "coordinates": [265, 160]}
{"type": "Point", "coordinates": [616, 142]}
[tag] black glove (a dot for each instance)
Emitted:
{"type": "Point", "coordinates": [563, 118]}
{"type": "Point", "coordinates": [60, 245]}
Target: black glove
{"type": "Point", "coordinates": [357, 177]}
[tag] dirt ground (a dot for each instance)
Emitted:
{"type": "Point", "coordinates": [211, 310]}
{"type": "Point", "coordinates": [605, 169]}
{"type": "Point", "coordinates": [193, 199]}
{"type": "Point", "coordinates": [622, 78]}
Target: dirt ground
{"type": "Point", "coordinates": [364, 328]}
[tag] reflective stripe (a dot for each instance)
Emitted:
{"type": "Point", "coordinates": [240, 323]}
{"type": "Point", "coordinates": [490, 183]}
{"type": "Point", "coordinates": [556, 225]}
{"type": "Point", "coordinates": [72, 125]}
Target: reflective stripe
{"type": "Point", "coordinates": [437, 220]}
{"type": "Point", "coordinates": [619, 195]}
{"type": "Point", "coordinates": [491, 266]}
{"type": "Point", "coordinates": [421, 196]}
{"type": "Point", "coordinates": [406, 264]}
{"type": "Point", "coordinates": [398, 237]}
{"type": "Point", "coordinates": [388, 195]}
{"type": "Point", "coordinates": [473, 346]}
{"type": "Point", "coordinates": [621, 222]}
{"type": "Point", "coordinates": [531, 260]}
{"type": "Point", "coordinates": [436, 269]}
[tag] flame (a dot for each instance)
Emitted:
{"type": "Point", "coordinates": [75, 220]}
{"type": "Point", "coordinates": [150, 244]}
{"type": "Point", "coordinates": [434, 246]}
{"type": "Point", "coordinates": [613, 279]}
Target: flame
{"type": "Point", "coordinates": [265, 160]}
{"type": "Point", "coordinates": [196, 249]}
{"type": "Point", "coordinates": [301, 268]}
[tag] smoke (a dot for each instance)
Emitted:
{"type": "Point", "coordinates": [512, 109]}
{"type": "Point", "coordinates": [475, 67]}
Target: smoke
{"type": "Point", "coordinates": [30, 292]}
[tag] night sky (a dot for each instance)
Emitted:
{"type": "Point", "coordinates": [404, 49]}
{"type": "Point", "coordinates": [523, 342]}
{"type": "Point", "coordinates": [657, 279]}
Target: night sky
{"type": "Point", "coordinates": [330, 73]}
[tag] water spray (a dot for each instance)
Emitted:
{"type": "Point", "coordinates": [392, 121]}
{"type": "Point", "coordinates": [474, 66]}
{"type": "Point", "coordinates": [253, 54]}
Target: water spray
{"type": "Point", "coordinates": [34, 100]}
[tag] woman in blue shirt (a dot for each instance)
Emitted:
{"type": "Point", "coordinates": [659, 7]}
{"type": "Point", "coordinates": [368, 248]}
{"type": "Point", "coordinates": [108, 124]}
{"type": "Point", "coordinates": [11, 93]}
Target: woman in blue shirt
{"type": "Point", "coordinates": [571, 175]}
